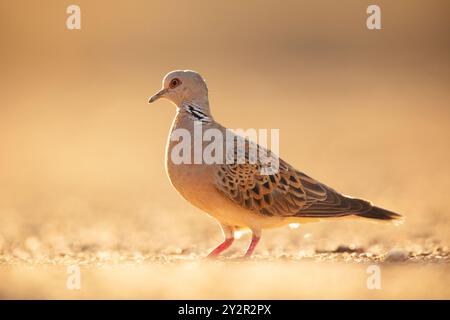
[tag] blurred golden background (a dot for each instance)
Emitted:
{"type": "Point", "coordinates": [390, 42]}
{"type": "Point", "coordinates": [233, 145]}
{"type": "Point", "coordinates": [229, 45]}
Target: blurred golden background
{"type": "Point", "coordinates": [82, 153]}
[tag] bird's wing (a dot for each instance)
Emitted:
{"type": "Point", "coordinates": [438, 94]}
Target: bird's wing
{"type": "Point", "coordinates": [287, 192]}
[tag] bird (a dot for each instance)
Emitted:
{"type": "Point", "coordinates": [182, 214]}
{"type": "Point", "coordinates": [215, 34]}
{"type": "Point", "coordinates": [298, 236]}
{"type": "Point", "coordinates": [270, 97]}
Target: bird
{"type": "Point", "coordinates": [236, 191]}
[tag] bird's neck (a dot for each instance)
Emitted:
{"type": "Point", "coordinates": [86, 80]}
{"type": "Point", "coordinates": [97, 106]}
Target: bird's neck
{"type": "Point", "coordinates": [197, 109]}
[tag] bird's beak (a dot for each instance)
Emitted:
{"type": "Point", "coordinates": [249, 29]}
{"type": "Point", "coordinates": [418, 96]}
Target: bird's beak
{"type": "Point", "coordinates": [158, 95]}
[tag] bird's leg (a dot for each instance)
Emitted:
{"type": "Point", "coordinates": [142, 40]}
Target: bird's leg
{"type": "Point", "coordinates": [228, 233]}
{"type": "Point", "coordinates": [256, 235]}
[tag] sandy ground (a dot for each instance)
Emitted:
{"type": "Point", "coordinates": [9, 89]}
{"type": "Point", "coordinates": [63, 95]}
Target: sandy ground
{"type": "Point", "coordinates": [320, 270]}
{"type": "Point", "coordinates": [182, 277]}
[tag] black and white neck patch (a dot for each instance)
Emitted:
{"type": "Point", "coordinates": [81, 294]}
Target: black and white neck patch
{"type": "Point", "coordinates": [196, 112]}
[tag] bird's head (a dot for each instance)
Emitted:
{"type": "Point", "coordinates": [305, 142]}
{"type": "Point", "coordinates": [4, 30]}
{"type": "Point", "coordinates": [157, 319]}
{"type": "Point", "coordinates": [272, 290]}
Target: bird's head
{"type": "Point", "coordinates": [183, 86]}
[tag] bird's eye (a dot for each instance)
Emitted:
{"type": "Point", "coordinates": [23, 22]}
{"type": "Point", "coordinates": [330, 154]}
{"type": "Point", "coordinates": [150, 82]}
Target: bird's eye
{"type": "Point", "coordinates": [174, 83]}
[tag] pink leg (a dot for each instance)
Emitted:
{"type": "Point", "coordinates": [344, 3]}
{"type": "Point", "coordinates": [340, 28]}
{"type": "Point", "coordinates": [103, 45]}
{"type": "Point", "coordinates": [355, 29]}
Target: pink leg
{"type": "Point", "coordinates": [228, 233]}
{"type": "Point", "coordinates": [252, 246]}
{"type": "Point", "coordinates": [221, 247]}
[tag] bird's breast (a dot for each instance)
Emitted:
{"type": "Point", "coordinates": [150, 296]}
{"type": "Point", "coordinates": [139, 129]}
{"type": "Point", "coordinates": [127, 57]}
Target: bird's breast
{"type": "Point", "coordinates": [194, 181]}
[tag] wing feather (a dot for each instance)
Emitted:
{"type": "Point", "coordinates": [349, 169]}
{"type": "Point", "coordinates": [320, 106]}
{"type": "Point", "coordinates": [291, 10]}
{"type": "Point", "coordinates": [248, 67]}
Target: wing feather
{"type": "Point", "coordinates": [288, 192]}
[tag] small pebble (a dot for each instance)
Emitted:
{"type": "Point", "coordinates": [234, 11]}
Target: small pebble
{"type": "Point", "coordinates": [396, 255]}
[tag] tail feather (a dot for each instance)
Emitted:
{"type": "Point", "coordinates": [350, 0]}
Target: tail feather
{"type": "Point", "coordinates": [380, 214]}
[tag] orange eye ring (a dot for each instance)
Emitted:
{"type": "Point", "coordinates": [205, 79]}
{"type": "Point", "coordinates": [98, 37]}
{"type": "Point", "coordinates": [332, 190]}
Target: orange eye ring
{"type": "Point", "coordinates": [174, 83]}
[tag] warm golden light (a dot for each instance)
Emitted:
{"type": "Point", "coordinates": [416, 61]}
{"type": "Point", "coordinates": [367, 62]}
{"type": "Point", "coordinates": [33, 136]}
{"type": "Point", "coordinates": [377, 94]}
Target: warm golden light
{"type": "Point", "coordinates": [82, 178]}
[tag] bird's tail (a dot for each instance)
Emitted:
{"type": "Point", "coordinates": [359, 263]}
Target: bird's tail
{"type": "Point", "coordinates": [382, 214]}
